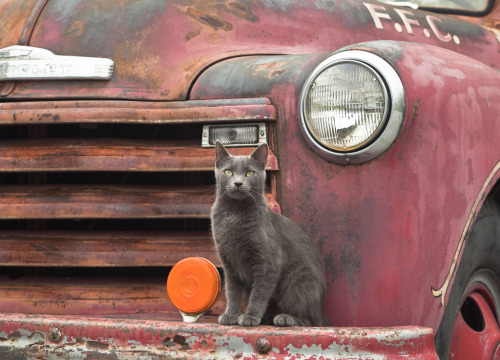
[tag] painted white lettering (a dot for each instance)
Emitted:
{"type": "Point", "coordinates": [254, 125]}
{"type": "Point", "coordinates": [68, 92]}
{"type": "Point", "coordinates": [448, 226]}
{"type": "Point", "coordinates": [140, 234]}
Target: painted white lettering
{"type": "Point", "coordinates": [408, 22]}
{"type": "Point", "coordinates": [377, 15]}
{"type": "Point", "coordinates": [431, 20]}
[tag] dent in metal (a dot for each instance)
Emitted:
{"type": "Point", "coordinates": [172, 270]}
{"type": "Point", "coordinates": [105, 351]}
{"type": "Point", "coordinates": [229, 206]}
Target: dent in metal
{"type": "Point", "coordinates": [31, 63]}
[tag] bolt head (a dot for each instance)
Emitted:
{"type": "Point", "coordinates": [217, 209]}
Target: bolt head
{"type": "Point", "coordinates": [55, 335]}
{"type": "Point", "coordinates": [263, 346]}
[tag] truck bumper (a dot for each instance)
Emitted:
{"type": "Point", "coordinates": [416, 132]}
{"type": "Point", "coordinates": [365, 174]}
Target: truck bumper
{"type": "Point", "coordinates": [68, 337]}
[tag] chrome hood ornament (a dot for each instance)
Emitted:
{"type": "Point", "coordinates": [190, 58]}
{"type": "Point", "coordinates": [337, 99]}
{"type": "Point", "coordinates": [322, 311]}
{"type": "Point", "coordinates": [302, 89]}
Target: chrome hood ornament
{"type": "Point", "coordinates": [30, 63]}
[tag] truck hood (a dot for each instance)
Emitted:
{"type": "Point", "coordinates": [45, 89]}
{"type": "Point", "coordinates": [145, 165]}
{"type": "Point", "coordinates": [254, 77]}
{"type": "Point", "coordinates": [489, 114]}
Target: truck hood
{"type": "Point", "coordinates": [160, 47]}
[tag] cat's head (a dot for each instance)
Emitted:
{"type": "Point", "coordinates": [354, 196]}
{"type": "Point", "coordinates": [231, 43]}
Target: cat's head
{"type": "Point", "coordinates": [240, 177]}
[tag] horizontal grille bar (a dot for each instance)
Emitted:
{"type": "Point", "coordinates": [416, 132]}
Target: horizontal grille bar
{"type": "Point", "coordinates": [107, 201]}
{"type": "Point", "coordinates": [203, 111]}
{"type": "Point", "coordinates": [94, 193]}
{"type": "Point", "coordinates": [110, 155]}
{"type": "Point", "coordinates": [99, 248]}
{"type": "Point", "coordinates": [104, 201]}
{"type": "Point", "coordinates": [101, 296]}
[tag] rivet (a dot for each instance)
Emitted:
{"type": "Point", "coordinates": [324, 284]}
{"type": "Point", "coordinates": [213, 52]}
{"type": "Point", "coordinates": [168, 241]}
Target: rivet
{"type": "Point", "coordinates": [263, 346]}
{"type": "Point", "coordinates": [55, 335]}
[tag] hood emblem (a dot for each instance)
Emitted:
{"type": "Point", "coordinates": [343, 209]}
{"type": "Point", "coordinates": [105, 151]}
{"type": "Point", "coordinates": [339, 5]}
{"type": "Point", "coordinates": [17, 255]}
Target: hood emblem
{"type": "Point", "coordinates": [30, 63]}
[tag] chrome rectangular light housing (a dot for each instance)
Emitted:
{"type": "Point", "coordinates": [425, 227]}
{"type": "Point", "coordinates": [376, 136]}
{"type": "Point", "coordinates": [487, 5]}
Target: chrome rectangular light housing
{"type": "Point", "coordinates": [234, 135]}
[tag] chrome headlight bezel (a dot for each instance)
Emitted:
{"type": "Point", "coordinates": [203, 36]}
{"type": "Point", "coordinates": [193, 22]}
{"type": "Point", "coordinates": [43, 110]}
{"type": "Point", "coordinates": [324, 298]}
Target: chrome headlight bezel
{"type": "Point", "coordinates": [390, 125]}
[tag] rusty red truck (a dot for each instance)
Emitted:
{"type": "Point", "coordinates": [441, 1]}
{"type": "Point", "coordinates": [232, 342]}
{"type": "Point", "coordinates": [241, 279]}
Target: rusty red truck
{"type": "Point", "coordinates": [382, 120]}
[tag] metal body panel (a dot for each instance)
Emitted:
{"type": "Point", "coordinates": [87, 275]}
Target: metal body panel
{"type": "Point", "coordinates": [53, 337]}
{"type": "Point", "coordinates": [159, 47]}
{"type": "Point", "coordinates": [63, 112]}
{"type": "Point", "coordinates": [389, 229]}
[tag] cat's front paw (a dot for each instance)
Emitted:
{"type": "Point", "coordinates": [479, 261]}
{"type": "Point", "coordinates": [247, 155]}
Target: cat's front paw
{"type": "Point", "coordinates": [248, 320]}
{"type": "Point", "coordinates": [286, 320]}
{"type": "Point", "coordinates": [228, 319]}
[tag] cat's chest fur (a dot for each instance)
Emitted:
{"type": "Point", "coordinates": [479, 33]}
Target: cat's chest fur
{"type": "Point", "coordinates": [242, 238]}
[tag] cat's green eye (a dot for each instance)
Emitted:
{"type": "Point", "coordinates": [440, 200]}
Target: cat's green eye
{"type": "Point", "coordinates": [228, 172]}
{"type": "Point", "coordinates": [250, 173]}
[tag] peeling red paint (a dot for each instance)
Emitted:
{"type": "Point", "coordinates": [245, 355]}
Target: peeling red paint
{"type": "Point", "coordinates": [381, 220]}
{"type": "Point", "coordinates": [158, 58]}
{"type": "Point", "coordinates": [128, 336]}
{"type": "Point", "coordinates": [377, 224]}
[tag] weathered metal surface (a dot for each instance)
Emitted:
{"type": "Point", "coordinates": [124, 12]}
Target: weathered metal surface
{"type": "Point", "coordinates": [60, 112]}
{"type": "Point", "coordinates": [377, 224]}
{"type": "Point", "coordinates": [23, 21]}
{"type": "Point", "coordinates": [98, 248]}
{"type": "Point", "coordinates": [14, 19]}
{"type": "Point", "coordinates": [107, 201]}
{"type": "Point", "coordinates": [388, 229]}
{"type": "Point", "coordinates": [162, 47]}
{"type": "Point", "coordinates": [108, 155]}
{"type": "Point", "coordinates": [77, 295]}
{"type": "Point", "coordinates": [87, 338]}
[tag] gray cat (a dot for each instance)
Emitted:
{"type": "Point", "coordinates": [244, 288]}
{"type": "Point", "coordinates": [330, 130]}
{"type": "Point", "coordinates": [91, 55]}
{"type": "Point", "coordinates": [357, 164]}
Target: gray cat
{"type": "Point", "coordinates": [266, 257]}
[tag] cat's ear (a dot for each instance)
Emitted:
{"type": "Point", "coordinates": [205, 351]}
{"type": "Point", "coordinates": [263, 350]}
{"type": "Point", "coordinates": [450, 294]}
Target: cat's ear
{"type": "Point", "coordinates": [220, 153]}
{"type": "Point", "coordinates": [260, 155]}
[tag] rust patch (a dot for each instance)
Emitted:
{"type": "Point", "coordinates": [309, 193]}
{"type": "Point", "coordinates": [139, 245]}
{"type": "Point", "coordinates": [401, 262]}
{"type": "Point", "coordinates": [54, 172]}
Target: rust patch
{"type": "Point", "coordinates": [270, 69]}
{"type": "Point", "coordinates": [241, 10]}
{"type": "Point", "coordinates": [211, 20]}
{"type": "Point", "coordinates": [178, 339]}
{"type": "Point", "coordinates": [140, 339]}
{"type": "Point", "coordinates": [135, 51]}
{"type": "Point", "coordinates": [192, 34]}
{"type": "Point", "coordinates": [76, 29]}
{"type": "Point", "coordinates": [96, 345]}
{"type": "Point", "coordinates": [414, 112]}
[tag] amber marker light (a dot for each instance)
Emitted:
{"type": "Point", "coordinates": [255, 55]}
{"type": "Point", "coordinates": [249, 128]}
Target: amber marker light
{"type": "Point", "coordinates": [192, 286]}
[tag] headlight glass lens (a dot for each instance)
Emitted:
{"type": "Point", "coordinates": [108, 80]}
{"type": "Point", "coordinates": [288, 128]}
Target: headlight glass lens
{"type": "Point", "coordinates": [345, 107]}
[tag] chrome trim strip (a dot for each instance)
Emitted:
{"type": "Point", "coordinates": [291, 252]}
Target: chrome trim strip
{"type": "Point", "coordinates": [18, 63]}
{"type": "Point", "coordinates": [205, 137]}
{"type": "Point", "coordinates": [395, 118]}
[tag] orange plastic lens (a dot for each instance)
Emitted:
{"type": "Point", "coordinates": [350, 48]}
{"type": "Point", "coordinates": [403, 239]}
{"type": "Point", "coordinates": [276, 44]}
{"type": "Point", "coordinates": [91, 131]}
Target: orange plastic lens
{"type": "Point", "coordinates": [193, 285]}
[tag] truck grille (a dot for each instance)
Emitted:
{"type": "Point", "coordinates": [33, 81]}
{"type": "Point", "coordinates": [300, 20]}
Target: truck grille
{"type": "Point", "coordinates": [98, 199]}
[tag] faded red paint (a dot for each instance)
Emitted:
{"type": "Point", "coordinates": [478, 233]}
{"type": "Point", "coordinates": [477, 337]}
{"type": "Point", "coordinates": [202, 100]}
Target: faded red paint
{"type": "Point", "coordinates": [129, 337]}
{"type": "Point", "coordinates": [61, 112]}
{"type": "Point", "coordinates": [377, 224]}
{"type": "Point", "coordinates": [388, 229]}
{"type": "Point", "coordinates": [157, 58]}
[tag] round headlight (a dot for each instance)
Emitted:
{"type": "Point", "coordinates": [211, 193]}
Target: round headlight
{"type": "Point", "coordinates": [347, 104]}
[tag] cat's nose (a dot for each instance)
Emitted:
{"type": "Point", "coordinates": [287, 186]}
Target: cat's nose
{"type": "Point", "coordinates": [238, 184]}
